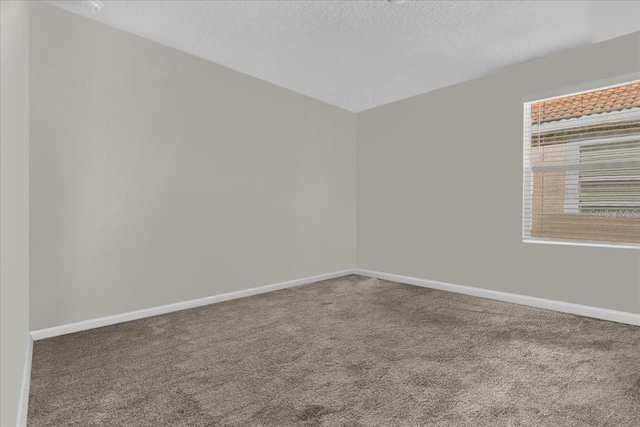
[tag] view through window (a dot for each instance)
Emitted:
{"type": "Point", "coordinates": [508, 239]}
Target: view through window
{"type": "Point", "coordinates": [582, 167]}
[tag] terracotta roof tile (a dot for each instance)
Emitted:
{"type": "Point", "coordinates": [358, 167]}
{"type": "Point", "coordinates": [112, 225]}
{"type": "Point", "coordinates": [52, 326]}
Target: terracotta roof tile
{"type": "Point", "coordinates": [599, 101]}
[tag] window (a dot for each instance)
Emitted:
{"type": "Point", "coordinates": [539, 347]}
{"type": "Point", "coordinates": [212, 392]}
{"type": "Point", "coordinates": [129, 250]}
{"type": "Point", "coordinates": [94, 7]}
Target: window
{"type": "Point", "coordinates": [582, 168]}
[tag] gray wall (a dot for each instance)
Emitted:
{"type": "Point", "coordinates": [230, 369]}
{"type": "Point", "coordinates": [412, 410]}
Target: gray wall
{"type": "Point", "coordinates": [14, 203]}
{"type": "Point", "coordinates": [440, 187]}
{"type": "Point", "coordinates": [157, 177]}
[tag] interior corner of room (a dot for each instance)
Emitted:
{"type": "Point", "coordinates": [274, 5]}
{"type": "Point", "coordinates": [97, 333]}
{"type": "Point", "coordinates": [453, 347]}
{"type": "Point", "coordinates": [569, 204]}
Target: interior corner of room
{"type": "Point", "coordinates": [143, 183]}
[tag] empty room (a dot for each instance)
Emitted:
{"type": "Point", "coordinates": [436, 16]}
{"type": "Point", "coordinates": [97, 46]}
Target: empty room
{"type": "Point", "coordinates": [320, 213]}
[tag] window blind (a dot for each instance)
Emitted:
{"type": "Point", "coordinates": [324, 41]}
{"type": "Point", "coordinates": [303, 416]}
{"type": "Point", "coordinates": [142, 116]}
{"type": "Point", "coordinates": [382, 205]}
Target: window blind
{"type": "Point", "coordinates": [582, 167]}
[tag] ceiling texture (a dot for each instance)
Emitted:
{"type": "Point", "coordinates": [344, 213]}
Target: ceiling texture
{"type": "Point", "coordinates": [361, 54]}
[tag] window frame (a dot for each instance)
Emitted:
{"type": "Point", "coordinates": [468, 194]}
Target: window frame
{"type": "Point", "coordinates": [527, 196]}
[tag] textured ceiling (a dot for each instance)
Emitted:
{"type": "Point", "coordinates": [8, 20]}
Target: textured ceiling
{"type": "Point", "coordinates": [361, 54]}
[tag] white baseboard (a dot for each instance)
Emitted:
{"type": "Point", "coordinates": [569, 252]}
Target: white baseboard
{"type": "Point", "coordinates": [154, 311]}
{"type": "Point", "coordinates": [23, 405]}
{"type": "Point", "coordinates": [582, 310]}
{"type": "Point", "coordinates": [565, 307]}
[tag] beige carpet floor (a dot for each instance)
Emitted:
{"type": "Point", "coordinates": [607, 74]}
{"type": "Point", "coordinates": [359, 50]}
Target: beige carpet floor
{"type": "Point", "coordinates": [352, 351]}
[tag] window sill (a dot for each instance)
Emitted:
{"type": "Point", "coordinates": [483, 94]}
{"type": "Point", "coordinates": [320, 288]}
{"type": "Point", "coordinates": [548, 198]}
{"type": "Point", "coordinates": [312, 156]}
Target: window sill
{"type": "Point", "coordinates": [584, 243]}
